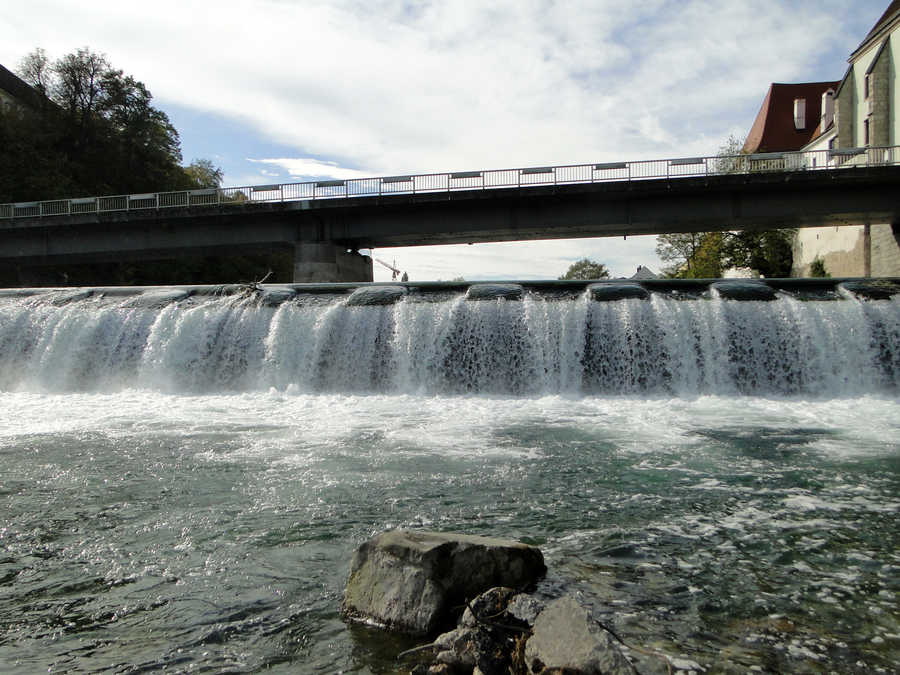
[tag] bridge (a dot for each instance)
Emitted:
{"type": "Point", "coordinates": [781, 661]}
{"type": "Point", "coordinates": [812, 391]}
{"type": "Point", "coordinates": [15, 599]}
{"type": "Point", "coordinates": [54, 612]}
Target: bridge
{"type": "Point", "coordinates": [325, 223]}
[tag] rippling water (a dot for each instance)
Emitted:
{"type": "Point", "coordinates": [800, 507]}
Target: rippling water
{"type": "Point", "coordinates": [208, 527]}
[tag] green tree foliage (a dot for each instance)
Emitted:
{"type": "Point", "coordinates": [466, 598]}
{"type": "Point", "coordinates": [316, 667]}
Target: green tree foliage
{"type": "Point", "coordinates": [586, 269]}
{"type": "Point", "coordinates": [697, 255]}
{"type": "Point", "coordinates": [204, 174]}
{"type": "Point", "coordinates": [94, 132]}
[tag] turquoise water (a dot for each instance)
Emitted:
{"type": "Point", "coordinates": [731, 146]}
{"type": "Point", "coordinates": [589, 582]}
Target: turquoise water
{"type": "Point", "coordinates": [171, 501]}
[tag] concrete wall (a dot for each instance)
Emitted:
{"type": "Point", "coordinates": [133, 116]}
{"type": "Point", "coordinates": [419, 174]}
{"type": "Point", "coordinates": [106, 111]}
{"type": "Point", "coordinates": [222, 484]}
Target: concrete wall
{"type": "Point", "coordinates": [842, 249]}
{"type": "Point", "coordinates": [326, 262]}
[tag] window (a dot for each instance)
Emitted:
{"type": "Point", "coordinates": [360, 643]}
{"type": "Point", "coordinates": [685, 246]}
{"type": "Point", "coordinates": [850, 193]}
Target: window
{"type": "Point", "coordinates": [866, 131]}
{"type": "Point", "coordinates": [799, 114]}
{"type": "Point", "coordinates": [866, 86]}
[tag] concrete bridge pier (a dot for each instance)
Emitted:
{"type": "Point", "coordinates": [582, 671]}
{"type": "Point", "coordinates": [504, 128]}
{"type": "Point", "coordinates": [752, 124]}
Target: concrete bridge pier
{"type": "Point", "coordinates": [328, 262]}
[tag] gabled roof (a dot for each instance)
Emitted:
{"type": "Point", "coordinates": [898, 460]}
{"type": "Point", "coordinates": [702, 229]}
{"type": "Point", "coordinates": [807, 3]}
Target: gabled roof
{"type": "Point", "coordinates": [18, 88]}
{"type": "Point", "coordinates": [643, 274]}
{"type": "Point", "coordinates": [881, 50]}
{"type": "Point", "coordinates": [773, 130]}
{"type": "Point", "coordinates": [890, 15]}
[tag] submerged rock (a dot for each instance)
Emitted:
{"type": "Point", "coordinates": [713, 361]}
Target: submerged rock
{"type": "Point", "coordinates": [744, 289]}
{"type": "Point", "coordinates": [158, 298]}
{"type": "Point", "coordinates": [376, 295]}
{"type": "Point", "coordinates": [871, 290]}
{"type": "Point", "coordinates": [495, 291]}
{"type": "Point", "coordinates": [617, 291]}
{"type": "Point", "coordinates": [566, 638]}
{"type": "Point", "coordinates": [275, 295]}
{"type": "Point", "coordinates": [411, 581]}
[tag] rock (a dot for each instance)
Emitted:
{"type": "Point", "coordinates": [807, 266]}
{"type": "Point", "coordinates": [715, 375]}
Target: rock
{"type": "Point", "coordinates": [870, 290]}
{"type": "Point", "coordinates": [490, 603]}
{"type": "Point", "coordinates": [273, 296]}
{"type": "Point", "coordinates": [376, 295]}
{"type": "Point", "coordinates": [565, 638]}
{"type": "Point", "coordinates": [744, 289]}
{"type": "Point", "coordinates": [615, 290]}
{"type": "Point", "coordinates": [411, 581]}
{"type": "Point", "coordinates": [525, 608]}
{"type": "Point", "coordinates": [495, 291]}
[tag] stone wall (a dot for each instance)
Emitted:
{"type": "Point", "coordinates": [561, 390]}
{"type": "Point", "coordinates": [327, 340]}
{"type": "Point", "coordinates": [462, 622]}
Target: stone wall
{"type": "Point", "coordinates": [885, 241]}
{"type": "Point", "coordinates": [879, 82]}
{"type": "Point", "coordinates": [845, 118]}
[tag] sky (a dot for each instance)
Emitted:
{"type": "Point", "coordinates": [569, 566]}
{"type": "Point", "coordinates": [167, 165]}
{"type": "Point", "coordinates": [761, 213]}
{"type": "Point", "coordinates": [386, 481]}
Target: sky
{"type": "Point", "coordinates": [279, 91]}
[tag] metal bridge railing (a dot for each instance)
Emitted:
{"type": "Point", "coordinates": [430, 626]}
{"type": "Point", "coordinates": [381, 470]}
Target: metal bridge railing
{"type": "Point", "coordinates": [464, 180]}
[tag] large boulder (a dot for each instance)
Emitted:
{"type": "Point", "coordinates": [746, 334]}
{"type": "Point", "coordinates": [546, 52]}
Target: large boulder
{"type": "Point", "coordinates": [566, 637]}
{"type": "Point", "coordinates": [411, 581]}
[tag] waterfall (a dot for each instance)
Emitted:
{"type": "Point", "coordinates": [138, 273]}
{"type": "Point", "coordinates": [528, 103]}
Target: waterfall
{"type": "Point", "coordinates": [444, 342]}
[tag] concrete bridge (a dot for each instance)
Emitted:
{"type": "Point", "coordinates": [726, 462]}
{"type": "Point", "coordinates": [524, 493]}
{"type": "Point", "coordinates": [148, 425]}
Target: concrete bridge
{"type": "Point", "coordinates": [326, 223]}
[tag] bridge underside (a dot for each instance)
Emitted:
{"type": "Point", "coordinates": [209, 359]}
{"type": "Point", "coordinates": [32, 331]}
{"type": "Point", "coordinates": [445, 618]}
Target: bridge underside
{"type": "Point", "coordinates": [322, 235]}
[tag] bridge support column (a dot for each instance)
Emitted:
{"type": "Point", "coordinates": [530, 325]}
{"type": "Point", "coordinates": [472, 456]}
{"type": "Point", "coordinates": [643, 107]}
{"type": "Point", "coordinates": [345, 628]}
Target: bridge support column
{"type": "Point", "coordinates": [327, 262]}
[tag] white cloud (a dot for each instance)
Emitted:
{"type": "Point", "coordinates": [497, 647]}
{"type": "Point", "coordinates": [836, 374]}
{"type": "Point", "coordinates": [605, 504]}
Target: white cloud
{"type": "Point", "coordinates": [395, 87]}
{"type": "Point", "coordinates": [307, 167]}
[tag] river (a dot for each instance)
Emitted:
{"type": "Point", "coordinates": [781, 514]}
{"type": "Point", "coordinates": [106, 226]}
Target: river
{"type": "Point", "coordinates": [185, 478]}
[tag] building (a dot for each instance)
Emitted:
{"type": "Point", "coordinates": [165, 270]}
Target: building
{"type": "Point", "coordinates": [15, 91]}
{"type": "Point", "coordinates": [848, 121]}
{"type": "Point", "coordinates": [791, 116]}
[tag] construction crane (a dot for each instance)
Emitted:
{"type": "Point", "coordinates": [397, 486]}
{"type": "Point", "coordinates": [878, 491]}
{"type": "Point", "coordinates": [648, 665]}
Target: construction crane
{"type": "Point", "coordinates": [394, 271]}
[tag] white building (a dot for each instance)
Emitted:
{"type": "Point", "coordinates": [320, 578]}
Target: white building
{"type": "Point", "coordinates": [865, 119]}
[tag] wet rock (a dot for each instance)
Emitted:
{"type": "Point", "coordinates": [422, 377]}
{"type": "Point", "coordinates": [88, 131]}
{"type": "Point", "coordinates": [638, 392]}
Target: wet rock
{"type": "Point", "coordinates": [617, 291]}
{"type": "Point", "coordinates": [156, 299]}
{"type": "Point", "coordinates": [495, 291]}
{"type": "Point", "coordinates": [525, 608]}
{"type": "Point", "coordinates": [566, 637]}
{"type": "Point", "coordinates": [490, 603]}
{"type": "Point", "coordinates": [376, 295]}
{"type": "Point", "coordinates": [744, 289]}
{"type": "Point", "coordinates": [873, 290]}
{"type": "Point", "coordinates": [273, 296]}
{"type": "Point", "coordinates": [411, 581]}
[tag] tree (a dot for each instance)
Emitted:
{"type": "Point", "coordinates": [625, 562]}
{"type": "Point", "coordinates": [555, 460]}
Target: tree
{"type": "Point", "coordinates": [204, 174]}
{"type": "Point", "coordinates": [34, 68]}
{"type": "Point", "coordinates": [98, 130]}
{"type": "Point", "coordinates": [696, 255]}
{"type": "Point", "coordinates": [769, 252]}
{"type": "Point", "coordinates": [678, 249]}
{"type": "Point", "coordinates": [586, 269]}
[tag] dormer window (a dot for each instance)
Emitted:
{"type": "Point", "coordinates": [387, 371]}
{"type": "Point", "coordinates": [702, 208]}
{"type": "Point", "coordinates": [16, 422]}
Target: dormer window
{"type": "Point", "coordinates": [800, 114]}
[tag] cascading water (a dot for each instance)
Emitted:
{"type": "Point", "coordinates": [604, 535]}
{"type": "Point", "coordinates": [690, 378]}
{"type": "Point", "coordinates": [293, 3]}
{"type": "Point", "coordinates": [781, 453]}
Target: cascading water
{"type": "Point", "coordinates": [185, 473]}
{"type": "Point", "coordinates": [446, 344]}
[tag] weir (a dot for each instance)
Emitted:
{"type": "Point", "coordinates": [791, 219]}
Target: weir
{"type": "Point", "coordinates": [664, 337]}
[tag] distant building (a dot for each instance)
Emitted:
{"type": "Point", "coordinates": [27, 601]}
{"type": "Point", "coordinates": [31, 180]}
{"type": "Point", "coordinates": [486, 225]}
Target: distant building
{"type": "Point", "coordinates": [849, 119]}
{"type": "Point", "coordinates": [644, 274]}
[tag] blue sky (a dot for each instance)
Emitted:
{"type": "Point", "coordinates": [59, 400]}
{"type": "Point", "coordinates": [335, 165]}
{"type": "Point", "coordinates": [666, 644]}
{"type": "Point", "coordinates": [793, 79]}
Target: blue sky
{"type": "Point", "coordinates": [287, 90]}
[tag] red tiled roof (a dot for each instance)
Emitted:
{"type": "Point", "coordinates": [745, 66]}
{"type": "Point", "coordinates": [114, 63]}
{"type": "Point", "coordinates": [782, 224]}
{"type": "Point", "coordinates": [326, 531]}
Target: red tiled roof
{"type": "Point", "coordinates": [773, 130]}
